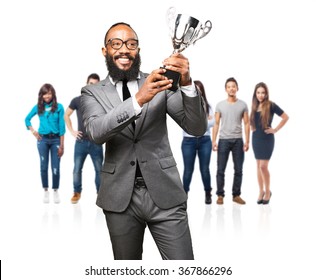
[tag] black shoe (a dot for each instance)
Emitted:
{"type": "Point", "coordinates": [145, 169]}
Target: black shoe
{"type": "Point", "coordinates": [260, 201]}
{"type": "Point", "coordinates": [267, 201]}
{"type": "Point", "coordinates": [208, 198]}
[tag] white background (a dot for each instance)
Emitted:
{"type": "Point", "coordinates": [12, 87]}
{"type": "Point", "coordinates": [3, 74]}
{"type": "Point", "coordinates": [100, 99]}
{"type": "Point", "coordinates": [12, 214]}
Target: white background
{"type": "Point", "coordinates": [60, 42]}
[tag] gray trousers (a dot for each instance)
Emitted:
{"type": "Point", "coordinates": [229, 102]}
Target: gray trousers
{"type": "Point", "coordinates": [169, 228]}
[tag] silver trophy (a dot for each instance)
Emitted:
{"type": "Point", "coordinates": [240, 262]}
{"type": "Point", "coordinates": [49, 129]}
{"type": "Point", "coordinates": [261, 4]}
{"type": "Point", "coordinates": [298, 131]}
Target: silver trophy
{"type": "Point", "coordinates": [184, 31]}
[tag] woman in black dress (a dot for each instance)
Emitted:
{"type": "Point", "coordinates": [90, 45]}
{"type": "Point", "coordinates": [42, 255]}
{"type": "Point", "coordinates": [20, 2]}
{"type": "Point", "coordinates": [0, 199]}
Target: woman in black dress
{"type": "Point", "coordinates": [261, 118]}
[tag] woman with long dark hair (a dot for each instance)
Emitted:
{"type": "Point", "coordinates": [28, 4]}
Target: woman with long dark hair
{"type": "Point", "coordinates": [50, 136]}
{"type": "Point", "coordinates": [201, 146]}
{"type": "Point", "coordinates": [261, 118]}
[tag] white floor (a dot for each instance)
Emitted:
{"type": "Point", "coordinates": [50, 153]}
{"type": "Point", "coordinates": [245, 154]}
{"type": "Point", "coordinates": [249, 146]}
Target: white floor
{"type": "Point", "coordinates": [49, 241]}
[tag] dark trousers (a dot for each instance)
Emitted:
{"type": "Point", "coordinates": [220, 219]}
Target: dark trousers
{"type": "Point", "coordinates": [236, 147]}
{"type": "Point", "coordinates": [192, 146]}
{"type": "Point", "coordinates": [169, 228]}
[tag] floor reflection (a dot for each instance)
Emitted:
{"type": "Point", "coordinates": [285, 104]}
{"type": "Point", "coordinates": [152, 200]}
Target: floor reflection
{"type": "Point", "coordinates": [77, 216]}
{"type": "Point", "coordinates": [237, 220]}
{"type": "Point", "coordinates": [207, 220]}
{"type": "Point", "coordinates": [220, 219]}
{"type": "Point", "coordinates": [50, 217]}
{"type": "Point", "coordinates": [264, 219]}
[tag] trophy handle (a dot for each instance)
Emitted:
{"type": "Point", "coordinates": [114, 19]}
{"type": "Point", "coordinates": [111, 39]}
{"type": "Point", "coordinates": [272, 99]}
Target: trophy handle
{"type": "Point", "coordinates": [205, 30]}
{"type": "Point", "coordinates": [171, 13]}
{"type": "Point", "coordinates": [171, 18]}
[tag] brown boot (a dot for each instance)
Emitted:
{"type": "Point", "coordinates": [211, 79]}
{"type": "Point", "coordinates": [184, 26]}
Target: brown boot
{"type": "Point", "coordinates": [75, 198]}
{"type": "Point", "coordinates": [239, 200]}
{"type": "Point", "coordinates": [220, 200]}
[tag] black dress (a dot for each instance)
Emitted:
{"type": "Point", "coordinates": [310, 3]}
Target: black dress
{"type": "Point", "coordinates": [262, 143]}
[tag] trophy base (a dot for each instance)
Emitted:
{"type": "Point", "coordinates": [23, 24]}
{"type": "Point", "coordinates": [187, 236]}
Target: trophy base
{"type": "Point", "coordinates": [175, 76]}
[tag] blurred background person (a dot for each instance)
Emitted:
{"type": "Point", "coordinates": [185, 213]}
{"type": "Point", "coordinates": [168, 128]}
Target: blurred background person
{"type": "Point", "coordinates": [261, 117]}
{"type": "Point", "coordinates": [230, 114]}
{"type": "Point", "coordinates": [50, 137]}
{"type": "Point", "coordinates": [83, 146]}
{"type": "Point", "coordinates": [201, 146]}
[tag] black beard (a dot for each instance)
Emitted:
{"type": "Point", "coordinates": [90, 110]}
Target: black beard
{"type": "Point", "coordinates": [118, 74]}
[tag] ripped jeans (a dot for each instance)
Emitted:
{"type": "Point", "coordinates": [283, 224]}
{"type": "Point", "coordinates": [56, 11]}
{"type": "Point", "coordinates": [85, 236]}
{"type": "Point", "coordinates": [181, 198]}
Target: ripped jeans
{"type": "Point", "coordinates": [48, 146]}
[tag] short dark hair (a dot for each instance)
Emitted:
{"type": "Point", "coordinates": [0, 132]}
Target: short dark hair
{"type": "Point", "coordinates": [114, 25]}
{"type": "Point", "coordinates": [93, 76]}
{"type": "Point", "coordinates": [231, 79]}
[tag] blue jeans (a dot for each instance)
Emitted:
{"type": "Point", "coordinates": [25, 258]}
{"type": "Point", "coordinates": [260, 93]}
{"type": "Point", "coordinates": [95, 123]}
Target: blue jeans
{"type": "Point", "coordinates": [190, 147]}
{"type": "Point", "coordinates": [45, 146]}
{"type": "Point", "coordinates": [225, 146]}
{"type": "Point", "coordinates": [83, 148]}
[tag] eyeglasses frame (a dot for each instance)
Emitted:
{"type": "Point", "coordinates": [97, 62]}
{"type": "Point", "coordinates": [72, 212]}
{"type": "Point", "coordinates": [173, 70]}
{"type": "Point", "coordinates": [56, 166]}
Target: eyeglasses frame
{"type": "Point", "coordinates": [123, 42]}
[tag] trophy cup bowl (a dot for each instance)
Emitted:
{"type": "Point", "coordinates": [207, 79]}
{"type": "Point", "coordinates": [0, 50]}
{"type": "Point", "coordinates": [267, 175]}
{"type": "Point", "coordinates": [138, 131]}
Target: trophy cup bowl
{"type": "Point", "coordinates": [184, 31]}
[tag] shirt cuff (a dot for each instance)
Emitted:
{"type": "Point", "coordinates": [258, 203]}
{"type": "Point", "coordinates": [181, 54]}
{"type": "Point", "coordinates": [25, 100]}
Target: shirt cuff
{"type": "Point", "coordinates": [189, 90]}
{"type": "Point", "coordinates": [136, 106]}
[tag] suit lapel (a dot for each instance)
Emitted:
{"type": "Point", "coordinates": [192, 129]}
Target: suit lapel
{"type": "Point", "coordinates": [110, 92]}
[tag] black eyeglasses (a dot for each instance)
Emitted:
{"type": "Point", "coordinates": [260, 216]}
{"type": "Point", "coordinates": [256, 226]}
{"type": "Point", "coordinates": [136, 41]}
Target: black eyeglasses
{"type": "Point", "coordinates": [117, 43]}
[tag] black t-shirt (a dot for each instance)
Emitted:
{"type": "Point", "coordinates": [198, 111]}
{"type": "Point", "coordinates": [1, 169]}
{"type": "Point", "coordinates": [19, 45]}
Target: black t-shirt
{"type": "Point", "coordinates": [75, 105]}
{"type": "Point", "coordinates": [259, 132]}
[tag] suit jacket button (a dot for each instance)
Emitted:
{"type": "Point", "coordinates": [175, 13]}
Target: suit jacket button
{"type": "Point", "coordinates": [132, 163]}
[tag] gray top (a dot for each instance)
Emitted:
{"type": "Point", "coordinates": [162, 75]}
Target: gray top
{"type": "Point", "coordinates": [231, 118]}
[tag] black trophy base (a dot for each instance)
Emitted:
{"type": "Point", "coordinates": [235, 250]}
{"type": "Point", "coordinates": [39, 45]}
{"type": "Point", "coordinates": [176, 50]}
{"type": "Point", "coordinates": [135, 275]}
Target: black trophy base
{"type": "Point", "coordinates": [175, 76]}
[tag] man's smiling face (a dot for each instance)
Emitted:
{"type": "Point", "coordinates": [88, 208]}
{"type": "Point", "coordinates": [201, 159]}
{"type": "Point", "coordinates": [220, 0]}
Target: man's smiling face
{"type": "Point", "coordinates": [122, 53]}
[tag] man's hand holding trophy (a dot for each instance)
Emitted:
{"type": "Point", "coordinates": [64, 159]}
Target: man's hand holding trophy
{"type": "Point", "coordinates": [184, 31]}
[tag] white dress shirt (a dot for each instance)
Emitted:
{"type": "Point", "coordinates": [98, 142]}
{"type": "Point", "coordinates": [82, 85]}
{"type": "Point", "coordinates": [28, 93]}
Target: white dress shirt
{"type": "Point", "coordinates": [133, 89]}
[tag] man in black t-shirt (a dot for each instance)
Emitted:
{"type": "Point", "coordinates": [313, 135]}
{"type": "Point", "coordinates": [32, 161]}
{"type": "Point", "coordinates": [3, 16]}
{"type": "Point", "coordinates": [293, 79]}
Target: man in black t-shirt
{"type": "Point", "coordinates": [83, 146]}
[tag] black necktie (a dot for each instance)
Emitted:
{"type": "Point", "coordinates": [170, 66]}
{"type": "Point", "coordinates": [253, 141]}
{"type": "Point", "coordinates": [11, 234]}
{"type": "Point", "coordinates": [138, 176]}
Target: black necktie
{"type": "Point", "coordinates": [126, 94]}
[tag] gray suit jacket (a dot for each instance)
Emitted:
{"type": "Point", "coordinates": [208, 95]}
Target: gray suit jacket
{"type": "Point", "coordinates": [108, 120]}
